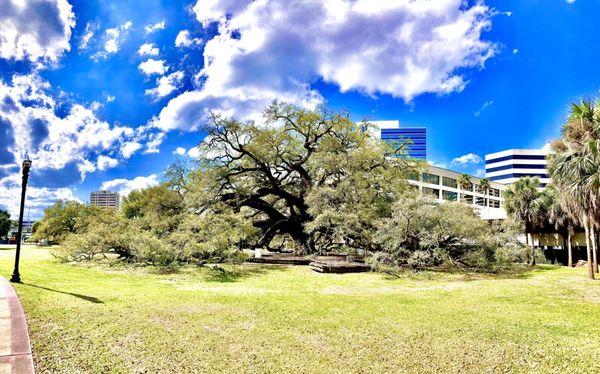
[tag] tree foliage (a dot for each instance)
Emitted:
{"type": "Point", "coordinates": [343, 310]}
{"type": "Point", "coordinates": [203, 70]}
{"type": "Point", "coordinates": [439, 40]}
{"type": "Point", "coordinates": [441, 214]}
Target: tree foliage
{"type": "Point", "coordinates": [4, 223]}
{"type": "Point", "coordinates": [64, 218]}
{"type": "Point", "coordinates": [298, 174]}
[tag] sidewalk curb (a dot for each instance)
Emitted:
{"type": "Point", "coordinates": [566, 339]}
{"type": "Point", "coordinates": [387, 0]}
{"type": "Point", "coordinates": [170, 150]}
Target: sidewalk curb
{"type": "Point", "coordinates": [20, 357]}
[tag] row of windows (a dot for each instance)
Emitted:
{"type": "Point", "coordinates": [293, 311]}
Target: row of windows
{"type": "Point", "coordinates": [518, 175]}
{"type": "Point", "coordinates": [516, 166]}
{"type": "Point", "coordinates": [453, 183]}
{"type": "Point", "coordinates": [453, 196]}
{"type": "Point", "coordinates": [516, 157]}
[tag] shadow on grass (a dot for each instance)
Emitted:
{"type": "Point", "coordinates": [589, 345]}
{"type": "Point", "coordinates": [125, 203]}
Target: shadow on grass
{"type": "Point", "coordinates": [233, 274]}
{"type": "Point", "coordinates": [91, 299]}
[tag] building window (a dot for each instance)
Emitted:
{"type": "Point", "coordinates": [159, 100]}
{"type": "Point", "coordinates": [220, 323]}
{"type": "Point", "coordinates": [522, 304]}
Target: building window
{"type": "Point", "coordinates": [466, 199]}
{"type": "Point", "coordinates": [431, 192]}
{"type": "Point", "coordinates": [494, 192]}
{"type": "Point", "coordinates": [480, 201]}
{"type": "Point", "coordinates": [449, 182]}
{"type": "Point", "coordinates": [431, 178]}
{"type": "Point", "coordinates": [494, 203]}
{"type": "Point", "coordinates": [449, 195]}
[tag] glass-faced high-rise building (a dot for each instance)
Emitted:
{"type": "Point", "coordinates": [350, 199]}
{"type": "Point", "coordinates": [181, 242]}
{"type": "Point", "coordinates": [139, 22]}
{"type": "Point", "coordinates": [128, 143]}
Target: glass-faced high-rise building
{"type": "Point", "coordinates": [414, 138]}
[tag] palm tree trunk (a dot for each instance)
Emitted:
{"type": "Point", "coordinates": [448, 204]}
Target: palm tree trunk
{"type": "Point", "coordinates": [569, 249]}
{"type": "Point", "coordinates": [533, 251]}
{"type": "Point", "coordinates": [594, 248]}
{"type": "Point", "coordinates": [586, 226]}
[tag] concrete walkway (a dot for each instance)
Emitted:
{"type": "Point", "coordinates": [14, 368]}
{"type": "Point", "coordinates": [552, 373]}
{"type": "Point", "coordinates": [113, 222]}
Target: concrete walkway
{"type": "Point", "coordinates": [15, 350]}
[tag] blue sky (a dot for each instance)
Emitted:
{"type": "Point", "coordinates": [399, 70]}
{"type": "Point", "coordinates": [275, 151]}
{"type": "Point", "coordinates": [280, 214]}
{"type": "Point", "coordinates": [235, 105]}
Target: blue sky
{"type": "Point", "coordinates": [109, 93]}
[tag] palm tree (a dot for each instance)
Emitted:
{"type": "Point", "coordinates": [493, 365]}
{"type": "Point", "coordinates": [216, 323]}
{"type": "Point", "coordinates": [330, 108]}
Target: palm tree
{"type": "Point", "coordinates": [484, 185]}
{"type": "Point", "coordinates": [523, 201]}
{"type": "Point", "coordinates": [464, 183]}
{"type": "Point", "coordinates": [560, 218]}
{"type": "Point", "coordinates": [574, 167]}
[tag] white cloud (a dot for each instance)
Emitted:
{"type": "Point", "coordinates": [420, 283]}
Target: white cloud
{"type": "Point", "coordinates": [166, 85]}
{"type": "Point", "coordinates": [110, 98]}
{"type": "Point", "coordinates": [515, 51]}
{"type": "Point", "coordinates": [38, 198]}
{"type": "Point", "coordinates": [183, 39]}
{"type": "Point", "coordinates": [152, 66]}
{"type": "Point", "coordinates": [157, 26]}
{"type": "Point", "coordinates": [105, 162]}
{"type": "Point", "coordinates": [401, 48]}
{"type": "Point", "coordinates": [469, 158]}
{"type": "Point", "coordinates": [90, 31]}
{"type": "Point", "coordinates": [570, 1]}
{"type": "Point", "coordinates": [148, 49]}
{"type": "Point", "coordinates": [483, 107]}
{"type": "Point", "coordinates": [125, 186]}
{"type": "Point", "coordinates": [129, 148]}
{"type": "Point", "coordinates": [62, 147]}
{"type": "Point", "coordinates": [35, 30]}
{"type": "Point", "coordinates": [112, 39]}
{"type": "Point", "coordinates": [179, 151]}
{"type": "Point", "coordinates": [194, 152]}
{"type": "Point", "coordinates": [154, 142]}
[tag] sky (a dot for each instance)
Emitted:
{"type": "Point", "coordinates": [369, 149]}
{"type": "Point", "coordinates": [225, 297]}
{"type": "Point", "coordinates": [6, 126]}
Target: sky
{"type": "Point", "coordinates": [107, 94]}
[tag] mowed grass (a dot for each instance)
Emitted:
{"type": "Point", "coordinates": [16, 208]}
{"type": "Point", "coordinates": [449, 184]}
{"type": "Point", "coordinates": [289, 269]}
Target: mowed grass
{"type": "Point", "coordinates": [290, 319]}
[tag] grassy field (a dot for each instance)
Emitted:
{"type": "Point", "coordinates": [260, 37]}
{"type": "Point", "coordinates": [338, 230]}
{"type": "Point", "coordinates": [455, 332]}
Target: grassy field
{"type": "Point", "coordinates": [289, 319]}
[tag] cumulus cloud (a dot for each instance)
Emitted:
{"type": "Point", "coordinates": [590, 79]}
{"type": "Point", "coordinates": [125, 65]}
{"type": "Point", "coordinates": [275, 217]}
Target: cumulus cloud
{"type": "Point", "coordinates": [155, 27]}
{"type": "Point", "coordinates": [469, 158]}
{"type": "Point", "coordinates": [37, 30]}
{"type": "Point", "coordinates": [125, 186]}
{"type": "Point", "coordinates": [105, 162]}
{"type": "Point", "coordinates": [179, 151]}
{"type": "Point", "coordinates": [166, 85]}
{"type": "Point", "coordinates": [152, 66]}
{"type": "Point", "coordinates": [112, 39]}
{"type": "Point", "coordinates": [148, 49]}
{"type": "Point", "coordinates": [271, 50]}
{"type": "Point", "coordinates": [64, 147]}
{"type": "Point", "coordinates": [129, 148]}
{"type": "Point", "coordinates": [183, 39]}
{"type": "Point", "coordinates": [38, 198]}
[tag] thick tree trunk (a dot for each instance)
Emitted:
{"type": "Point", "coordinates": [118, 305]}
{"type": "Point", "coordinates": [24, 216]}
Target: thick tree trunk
{"type": "Point", "coordinates": [569, 249]}
{"type": "Point", "coordinates": [594, 248]}
{"type": "Point", "coordinates": [590, 267]}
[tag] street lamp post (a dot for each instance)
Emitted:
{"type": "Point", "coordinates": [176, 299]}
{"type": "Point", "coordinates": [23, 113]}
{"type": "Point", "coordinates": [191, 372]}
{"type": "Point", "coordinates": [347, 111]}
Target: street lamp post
{"type": "Point", "coordinates": [26, 166]}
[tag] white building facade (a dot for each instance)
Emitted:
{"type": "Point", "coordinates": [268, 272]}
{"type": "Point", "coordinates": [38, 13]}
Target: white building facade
{"type": "Point", "coordinates": [442, 185]}
{"type": "Point", "coordinates": [506, 167]}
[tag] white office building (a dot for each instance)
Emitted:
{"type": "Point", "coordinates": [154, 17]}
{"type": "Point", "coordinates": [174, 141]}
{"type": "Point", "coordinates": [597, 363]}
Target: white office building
{"type": "Point", "coordinates": [442, 185]}
{"type": "Point", "coordinates": [506, 167]}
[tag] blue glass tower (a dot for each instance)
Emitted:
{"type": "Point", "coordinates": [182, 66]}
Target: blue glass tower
{"type": "Point", "coordinates": [414, 137]}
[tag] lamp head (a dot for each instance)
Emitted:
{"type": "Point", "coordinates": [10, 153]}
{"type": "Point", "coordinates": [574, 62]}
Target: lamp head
{"type": "Point", "coordinates": [26, 162]}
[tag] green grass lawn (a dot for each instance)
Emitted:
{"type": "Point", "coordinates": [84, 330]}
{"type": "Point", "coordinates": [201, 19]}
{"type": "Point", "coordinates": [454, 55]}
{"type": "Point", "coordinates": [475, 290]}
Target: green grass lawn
{"type": "Point", "coordinates": [289, 319]}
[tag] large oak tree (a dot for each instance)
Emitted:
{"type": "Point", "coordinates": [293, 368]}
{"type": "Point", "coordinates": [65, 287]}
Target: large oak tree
{"type": "Point", "coordinates": [298, 173]}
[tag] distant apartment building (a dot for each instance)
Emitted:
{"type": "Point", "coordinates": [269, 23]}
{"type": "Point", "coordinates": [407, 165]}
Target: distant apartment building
{"type": "Point", "coordinates": [105, 199]}
{"type": "Point", "coordinates": [442, 185]}
{"type": "Point", "coordinates": [506, 167]}
{"type": "Point", "coordinates": [415, 138]}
